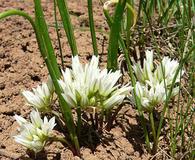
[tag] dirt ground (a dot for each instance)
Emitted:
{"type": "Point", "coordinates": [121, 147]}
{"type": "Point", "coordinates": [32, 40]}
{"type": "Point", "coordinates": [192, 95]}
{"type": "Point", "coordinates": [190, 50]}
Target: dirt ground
{"type": "Point", "coordinates": [21, 68]}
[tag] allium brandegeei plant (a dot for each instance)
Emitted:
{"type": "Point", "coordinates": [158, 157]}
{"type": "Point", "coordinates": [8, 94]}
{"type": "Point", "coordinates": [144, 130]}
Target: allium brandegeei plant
{"type": "Point", "coordinates": [86, 85]}
{"type": "Point", "coordinates": [83, 86]}
{"type": "Point", "coordinates": [34, 134]}
{"type": "Point", "coordinates": [153, 81]}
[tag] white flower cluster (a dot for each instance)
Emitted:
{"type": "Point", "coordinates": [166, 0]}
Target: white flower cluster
{"type": "Point", "coordinates": [34, 134]}
{"type": "Point", "coordinates": [87, 85]}
{"type": "Point", "coordinates": [152, 84]}
{"type": "Point", "coordinates": [41, 96]}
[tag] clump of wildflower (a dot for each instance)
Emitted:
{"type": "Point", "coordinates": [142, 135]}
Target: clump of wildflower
{"type": "Point", "coordinates": [153, 82]}
{"type": "Point", "coordinates": [87, 85]}
{"type": "Point", "coordinates": [34, 134]}
{"type": "Point", "coordinates": [41, 96]}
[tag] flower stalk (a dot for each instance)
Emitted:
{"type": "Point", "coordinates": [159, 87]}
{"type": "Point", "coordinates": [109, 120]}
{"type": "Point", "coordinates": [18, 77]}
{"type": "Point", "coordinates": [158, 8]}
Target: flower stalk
{"type": "Point", "coordinates": [151, 117]}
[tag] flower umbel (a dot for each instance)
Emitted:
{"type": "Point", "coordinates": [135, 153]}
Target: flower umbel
{"type": "Point", "coordinates": [34, 134]}
{"type": "Point", "coordinates": [154, 82]}
{"type": "Point", "coordinates": [41, 96]}
{"type": "Point", "coordinates": [86, 85]}
{"type": "Point", "coordinates": [150, 96]}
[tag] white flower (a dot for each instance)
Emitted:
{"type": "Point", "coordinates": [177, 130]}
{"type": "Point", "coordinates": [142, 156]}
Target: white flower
{"type": "Point", "coordinates": [34, 134]}
{"type": "Point", "coordinates": [169, 68]}
{"type": "Point", "coordinates": [117, 97]}
{"type": "Point", "coordinates": [86, 85]}
{"type": "Point", "coordinates": [151, 75]}
{"type": "Point", "coordinates": [29, 139]}
{"type": "Point", "coordinates": [20, 120]}
{"type": "Point", "coordinates": [148, 96]}
{"type": "Point", "coordinates": [150, 88]}
{"type": "Point", "coordinates": [41, 96]}
{"type": "Point", "coordinates": [145, 73]}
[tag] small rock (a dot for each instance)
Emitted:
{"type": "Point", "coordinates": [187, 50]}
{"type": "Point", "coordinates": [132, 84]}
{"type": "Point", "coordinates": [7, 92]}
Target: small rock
{"type": "Point", "coordinates": [11, 70]}
{"type": "Point", "coordinates": [2, 85]}
{"type": "Point", "coordinates": [2, 54]}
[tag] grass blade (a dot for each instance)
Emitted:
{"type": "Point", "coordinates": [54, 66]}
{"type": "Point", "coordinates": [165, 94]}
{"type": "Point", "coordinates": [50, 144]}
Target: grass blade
{"type": "Point", "coordinates": [114, 35]}
{"type": "Point", "coordinates": [131, 21]}
{"type": "Point", "coordinates": [186, 57]}
{"type": "Point", "coordinates": [40, 21]}
{"type": "Point", "coordinates": [62, 6]}
{"type": "Point", "coordinates": [165, 15]}
{"type": "Point", "coordinates": [133, 80]}
{"type": "Point", "coordinates": [58, 35]}
{"type": "Point", "coordinates": [66, 110]}
{"type": "Point", "coordinates": [92, 28]}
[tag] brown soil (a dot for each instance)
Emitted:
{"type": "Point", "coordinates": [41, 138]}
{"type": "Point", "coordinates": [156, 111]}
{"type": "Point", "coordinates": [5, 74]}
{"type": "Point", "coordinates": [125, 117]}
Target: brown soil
{"type": "Point", "coordinates": [21, 68]}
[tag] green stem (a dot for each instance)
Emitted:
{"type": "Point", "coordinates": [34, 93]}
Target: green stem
{"type": "Point", "coordinates": [58, 35]}
{"type": "Point", "coordinates": [62, 6]}
{"type": "Point", "coordinates": [35, 28]}
{"type": "Point", "coordinates": [79, 121]}
{"type": "Point", "coordinates": [42, 46]}
{"type": "Point", "coordinates": [173, 130]}
{"type": "Point", "coordinates": [133, 80]}
{"type": "Point", "coordinates": [130, 18]}
{"type": "Point", "coordinates": [42, 26]}
{"type": "Point", "coordinates": [92, 28]}
{"type": "Point", "coordinates": [115, 29]}
{"type": "Point", "coordinates": [101, 120]}
{"type": "Point", "coordinates": [154, 150]}
{"type": "Point", "coordinates": [171, 89]}
{"type": "Point", "coordinates": [13, 12]}
{"type": "Point", "coordinates": [38, 35]}
{"type": "Point", "coordinates": [165, 15]}
{"type": "Point", "coordinates": [55, 74]}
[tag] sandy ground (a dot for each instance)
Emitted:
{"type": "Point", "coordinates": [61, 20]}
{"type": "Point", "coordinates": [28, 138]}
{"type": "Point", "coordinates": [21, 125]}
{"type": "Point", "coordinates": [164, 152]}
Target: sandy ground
{"type": "Point", "coordinates": [21, 68]}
